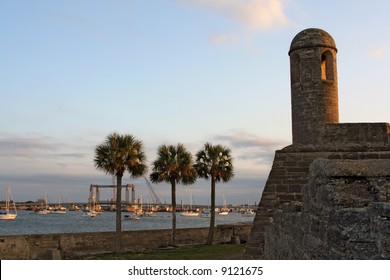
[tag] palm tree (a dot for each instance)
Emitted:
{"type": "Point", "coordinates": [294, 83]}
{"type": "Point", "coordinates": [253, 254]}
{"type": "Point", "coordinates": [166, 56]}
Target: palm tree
{"type": "Point", "coordinates": [174, 165]}
{"type": "Point", "coordinates": [120, 153]}
{"type": "Point", "coordinates": [215, 163]}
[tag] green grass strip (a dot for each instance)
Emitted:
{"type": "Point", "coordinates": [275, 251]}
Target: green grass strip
{"type": "Point", "coordinates": [198, 252]}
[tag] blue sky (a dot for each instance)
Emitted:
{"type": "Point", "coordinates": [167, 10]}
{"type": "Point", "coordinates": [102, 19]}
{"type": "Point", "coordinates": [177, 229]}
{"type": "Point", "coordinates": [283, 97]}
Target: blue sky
{"type": "Point", "coordinates": [169, 71]}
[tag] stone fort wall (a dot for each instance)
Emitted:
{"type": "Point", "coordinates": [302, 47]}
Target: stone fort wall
{"type": "Point", "coordinates": [317, 134]}
{"type": "Point", "coordinates": [345, 214]}
{"type": "Point", "coordinates": [289, 173]}
{"type": "Point", "coordinates": [79, 245]}
{"type": "Point", "coordinates": [365, 135]}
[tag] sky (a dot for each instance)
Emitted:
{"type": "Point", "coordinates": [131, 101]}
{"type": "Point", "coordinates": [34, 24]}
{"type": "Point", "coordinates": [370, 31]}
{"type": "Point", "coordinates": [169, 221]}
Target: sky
{"type": "Point", "coordinates": [168, 72]}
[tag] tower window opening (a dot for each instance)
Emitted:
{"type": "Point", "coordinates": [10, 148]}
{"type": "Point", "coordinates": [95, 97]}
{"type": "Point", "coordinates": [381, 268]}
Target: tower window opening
{"type": "Point", "coordinates": [327, 66]}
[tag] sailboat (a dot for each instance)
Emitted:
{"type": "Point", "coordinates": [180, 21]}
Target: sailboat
{"type": "Point", "coordinates": [44, 210]}
{"type": "Point", "coordinates": [206, 213]}
{"type": "Point", "coordinates": [248, 212]}
{"type": "Point", "coordinates": [7, 215]}
{"type": "Point", "coordinates": [59, 209]}
{"type": "Point", "coordinates": [136, 216]}
{"type": "Point", "coordinates": [148, 211]}
{"type": "Point", "coordinates": [189, 213]}
{"type": "Point", "coordinates": [224, 210]}
{"type": "Point", "coordinates": [91, 212]}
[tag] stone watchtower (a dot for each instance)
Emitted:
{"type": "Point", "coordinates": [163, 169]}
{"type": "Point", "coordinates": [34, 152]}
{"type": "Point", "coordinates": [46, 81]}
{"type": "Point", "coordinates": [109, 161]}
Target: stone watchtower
{"type": "Point", "coordinates": [314, 94]}
{"type": "Point", "coordinates": [316, 131]}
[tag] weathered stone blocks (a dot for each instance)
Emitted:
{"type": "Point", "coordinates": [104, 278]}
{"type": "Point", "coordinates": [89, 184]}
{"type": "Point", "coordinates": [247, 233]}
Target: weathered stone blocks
{"type": "Point", "coordinates": [77, 245]}
{"type": "Point", "coordinates": [317, 134]}
{"type": "Point", "coordinates": [341, 217]}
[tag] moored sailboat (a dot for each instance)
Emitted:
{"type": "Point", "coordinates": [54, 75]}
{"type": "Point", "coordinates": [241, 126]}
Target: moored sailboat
{"type": "Point", "coordinates": [248, 212]}
{"type": "Point", "coordinates": [224, 210]}
{"type": "Point", "coordinates": [59, 209]}
{"type": "Point", "coordinates": [91, 211]}
{"type": "Point", "coordinates": [44, 209]}
{"type": "Point", "coordinates": [205, 213]}
{"type": "Point", "coordinates": [189, 212]}
{"type": "Point", "coordinates": [7, 215]}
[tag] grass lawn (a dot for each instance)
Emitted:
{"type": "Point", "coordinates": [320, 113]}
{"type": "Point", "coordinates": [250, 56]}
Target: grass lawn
{"type": "Point", "coordinates": [198, 252]}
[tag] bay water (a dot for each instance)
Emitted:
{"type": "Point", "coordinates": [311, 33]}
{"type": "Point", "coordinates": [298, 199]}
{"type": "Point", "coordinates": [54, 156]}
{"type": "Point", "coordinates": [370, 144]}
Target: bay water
{"type": "Point", "coordinates": [28, 222]}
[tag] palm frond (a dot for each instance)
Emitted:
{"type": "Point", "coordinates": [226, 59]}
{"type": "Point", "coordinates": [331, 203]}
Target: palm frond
{"type": "Point", "coordinates": [214, 161]}
{"type": "Point", "coordinates": [119, 153]}
{"type": "Point", "coordinates": [173, 163]}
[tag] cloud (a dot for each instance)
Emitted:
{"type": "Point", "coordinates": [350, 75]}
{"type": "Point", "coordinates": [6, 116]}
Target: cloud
{"type": "Point", "coordinates": [28, 147]}
{"type": "Point", "coordinates": [379, 52]}
{"type": "Point", "coordinates": [255, 14]}
{"type": "Point", "coordinates": [250, 147]}
{"type": "Point", "coordinates": [35, 164]}
{"type": "Point", "coordinates": [36, 146]}
{"type": "Point", "coordinates": [243, 139]}
{"type": "Point", "coordinates": [224, 38]}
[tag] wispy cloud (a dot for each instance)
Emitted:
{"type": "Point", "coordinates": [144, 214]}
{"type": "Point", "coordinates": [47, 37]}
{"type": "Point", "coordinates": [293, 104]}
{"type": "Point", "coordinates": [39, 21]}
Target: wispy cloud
{"type": "Point", "coordinates": [243, 139]}
{"type": "Point", "coordinates": [249, 17]}
{"type": "Point", "coordinates": [250, 147]}
{"type": "Point", "coordinates": [255, 14]}
{"type": "Point", "coordinates": [35, 145]}
{"type": "Point", "coordinates": [379, 52]}
{"type": "Point", "coordinates": [16, 146]}
{"type": "Point", "coordinates": [224, 38]}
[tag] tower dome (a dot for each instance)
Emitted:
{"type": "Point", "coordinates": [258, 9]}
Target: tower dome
{"type": "Point", "coordinates": [312, 37]}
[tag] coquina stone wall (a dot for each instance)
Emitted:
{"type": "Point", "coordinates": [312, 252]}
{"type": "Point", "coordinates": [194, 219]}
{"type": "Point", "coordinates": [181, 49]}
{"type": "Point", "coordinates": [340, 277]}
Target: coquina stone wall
{"type": "Point", "coordinates": [78, 245]}
{"type": "Point", "coordinates": [316, 134]}
{"type": "Point", "coordinates": [345, 214]}
{"type": "Point", "coordinates": [289, 173]}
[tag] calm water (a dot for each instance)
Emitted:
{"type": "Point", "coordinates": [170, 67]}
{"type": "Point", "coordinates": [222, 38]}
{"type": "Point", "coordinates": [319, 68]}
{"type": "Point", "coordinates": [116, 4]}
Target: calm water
{"type": "Point", "coordinates": [28, 223]}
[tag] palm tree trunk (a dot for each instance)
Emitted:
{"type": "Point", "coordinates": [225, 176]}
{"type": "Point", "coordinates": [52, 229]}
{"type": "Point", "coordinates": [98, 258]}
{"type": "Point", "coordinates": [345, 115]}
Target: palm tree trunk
{"type": "Point", "coordinates": [173, 199]}
{"type": "Point", "coordinates": [210, 237]}
{"type": "Point", "coordinates": [118, 233]}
